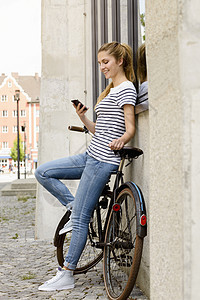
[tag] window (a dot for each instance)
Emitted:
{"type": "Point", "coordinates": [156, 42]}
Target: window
{"type": "Point", "coordinates": [37, 128]}
{"type": "Point", "coordinates": [3, 163]}
{"type": "Point", "coordinates": [4, 145]}
{"type": "Point", "coordinates": [4, 113]}
{"type": "Point", "coordinates": [23, 145]}
{"type": "Point", "coordinates": [22, 129]}
{"type": "Point", "coordinates": [14, 129]}
{"type": "Point", "coordinates": [5, 129]}
{"type": "Point", "coordinates": [9, 84]}
{"type": "Point", "coordinates": [4, 98]}
{"type": "Point", "coordinates": [112, 20]}
{"type": "Point", "coordinates": [14, 113]}
{"type": "Point", "coordinates": [22, 113]}
{"type": "Point", "coordinates": [37, 113]}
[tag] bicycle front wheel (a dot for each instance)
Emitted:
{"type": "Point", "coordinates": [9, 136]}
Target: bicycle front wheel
{"type": "Point", "coordinates": [123, 250]}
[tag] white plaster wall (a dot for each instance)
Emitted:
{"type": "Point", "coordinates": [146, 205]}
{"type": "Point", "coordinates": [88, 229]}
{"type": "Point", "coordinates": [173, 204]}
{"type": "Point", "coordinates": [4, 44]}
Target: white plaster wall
{"type": "Point", "coordinates": [173, 69]}
{"type": "Point", "coordinates": [140, 175]}
{"type": "Point", "coordinates": [65, 72]}
{"type": "Point", "coordinates": [189, 45]}
{"type": "Point", "coordinates": [165, 186]}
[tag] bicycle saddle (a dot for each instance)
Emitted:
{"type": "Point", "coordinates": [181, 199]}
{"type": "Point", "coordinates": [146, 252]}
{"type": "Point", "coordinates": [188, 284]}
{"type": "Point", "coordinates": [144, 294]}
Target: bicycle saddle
{"type": "Point", "coordinates": [129, 152]}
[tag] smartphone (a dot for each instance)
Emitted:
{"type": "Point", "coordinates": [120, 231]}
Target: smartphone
{"type": "Point", "coordinates": [76, 102]}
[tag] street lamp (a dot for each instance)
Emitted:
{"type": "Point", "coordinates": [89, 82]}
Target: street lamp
{"type": "Point", "coordinates": [24, 130]}
{"type": "Point", "coordinates": [17, 98]}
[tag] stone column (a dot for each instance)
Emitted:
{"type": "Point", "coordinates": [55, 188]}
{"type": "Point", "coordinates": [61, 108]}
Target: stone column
{"type": "Point", "coordinates": [64, 77]}
{"type": "Point", "coordinates": [173, 42]}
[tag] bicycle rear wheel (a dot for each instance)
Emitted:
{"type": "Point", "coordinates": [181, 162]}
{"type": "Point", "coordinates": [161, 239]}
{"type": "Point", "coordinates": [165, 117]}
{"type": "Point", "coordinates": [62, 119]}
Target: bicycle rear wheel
{"type": "Point", "coordinates": [123, 250]}
{"type": "Point", "coordinates": [90, 255]}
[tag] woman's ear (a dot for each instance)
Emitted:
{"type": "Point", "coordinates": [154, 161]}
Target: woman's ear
{"type": "Point", "coordinates": [120, 62]}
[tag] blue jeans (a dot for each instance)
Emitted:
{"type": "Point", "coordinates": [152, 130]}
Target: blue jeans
{"type": "Point", "coordinates": [93, 175]}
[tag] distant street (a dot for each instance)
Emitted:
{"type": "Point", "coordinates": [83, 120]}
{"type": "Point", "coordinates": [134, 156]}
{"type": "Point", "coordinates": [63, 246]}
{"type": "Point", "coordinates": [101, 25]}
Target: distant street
{"type": "Point", "coordinates": [6, 178]}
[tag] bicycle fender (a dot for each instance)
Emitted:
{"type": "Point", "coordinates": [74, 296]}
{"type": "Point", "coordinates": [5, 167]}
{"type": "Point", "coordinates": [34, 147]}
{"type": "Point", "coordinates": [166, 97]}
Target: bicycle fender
{"type": "Point", "coordinates": [140, 206]}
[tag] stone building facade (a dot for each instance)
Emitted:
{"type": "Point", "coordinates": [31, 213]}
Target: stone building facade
{"type": "Point", "coordinates": [168, 173]}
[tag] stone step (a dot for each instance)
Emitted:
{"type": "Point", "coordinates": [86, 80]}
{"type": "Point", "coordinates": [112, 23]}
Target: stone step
{"type": "Point", "coordinates": [18, 192]}
{"type": "Point", "coordinates": [29, 183]}
{"type": "Point", "coordinates": [20, 187]}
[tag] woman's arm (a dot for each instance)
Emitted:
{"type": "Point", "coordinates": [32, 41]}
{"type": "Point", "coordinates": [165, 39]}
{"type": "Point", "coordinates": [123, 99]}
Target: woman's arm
{"type": "Point", "coordinates": [129, 115]}
{"type": "Point", "coordinates": [81, 113]}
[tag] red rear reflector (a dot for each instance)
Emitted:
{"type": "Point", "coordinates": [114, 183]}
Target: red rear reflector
{"type": "Point", "coordinates": [143, 220]}
{"type": "Point", "coordinates": [116, 207]}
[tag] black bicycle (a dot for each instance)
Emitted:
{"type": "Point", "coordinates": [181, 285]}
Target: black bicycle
{"type": "Point", "coordinates": [116, 231]}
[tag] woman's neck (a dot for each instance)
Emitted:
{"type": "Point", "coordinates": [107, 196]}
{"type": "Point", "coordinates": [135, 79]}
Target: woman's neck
{"type": "Point", "coordinates": [117, 81]}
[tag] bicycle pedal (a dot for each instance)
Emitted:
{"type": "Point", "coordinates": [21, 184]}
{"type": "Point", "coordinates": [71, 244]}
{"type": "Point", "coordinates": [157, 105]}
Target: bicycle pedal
{"type": "Point", "coordinates": [125, 260]}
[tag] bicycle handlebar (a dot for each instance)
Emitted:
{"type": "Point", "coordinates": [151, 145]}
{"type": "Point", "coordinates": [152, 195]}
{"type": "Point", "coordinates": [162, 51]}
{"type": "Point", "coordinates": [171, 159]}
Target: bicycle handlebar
{"type": "Point", "coordinates": [76, 128]}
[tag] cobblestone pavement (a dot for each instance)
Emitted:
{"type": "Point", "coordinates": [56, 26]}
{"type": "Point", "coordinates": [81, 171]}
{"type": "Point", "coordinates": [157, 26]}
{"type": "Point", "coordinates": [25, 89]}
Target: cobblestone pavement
{"type": "Point", "coordinates": [26, 263]}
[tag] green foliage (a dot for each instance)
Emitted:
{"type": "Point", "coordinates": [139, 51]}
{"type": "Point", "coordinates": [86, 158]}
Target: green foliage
{"type": "Point", "coordinates": [142, 21]}
{"type": "Point", "coordinates": [14, 151]}
{"type": "Point", "coordinates": [15, 237]}
{"type": "Point", "coordinates": [24, 199]}
{"type": "Point", "coordinates": [28, 276]}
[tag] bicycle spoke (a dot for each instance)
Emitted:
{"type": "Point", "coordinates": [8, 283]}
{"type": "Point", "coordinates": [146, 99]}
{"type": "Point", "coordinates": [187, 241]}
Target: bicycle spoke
{"type": "Point", "coordinates": [91, 255]}
{"type": "Point", "coordinates": [122, 248]}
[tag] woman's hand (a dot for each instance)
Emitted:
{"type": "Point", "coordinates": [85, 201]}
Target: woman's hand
{"type": "Point", "coordinates": [80, 111]}
{"type": "Point", "coordinates": [116, 144]}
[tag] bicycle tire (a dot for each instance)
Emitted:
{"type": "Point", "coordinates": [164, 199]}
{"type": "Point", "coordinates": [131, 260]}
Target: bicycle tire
{"type": "Point", "coordinates": [123, 250]}
{"type": "Point", "coordinates": [90, 255]}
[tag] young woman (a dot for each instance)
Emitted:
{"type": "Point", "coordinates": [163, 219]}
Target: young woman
{"type": "Point", "coordinates": [115, 126]}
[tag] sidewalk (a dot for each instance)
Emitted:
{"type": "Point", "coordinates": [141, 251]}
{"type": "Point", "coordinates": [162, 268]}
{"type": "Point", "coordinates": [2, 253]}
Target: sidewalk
{"type": "Point", "coordinates": [8, 177]}
{"type": "Point", "coordinates": [26, 263]}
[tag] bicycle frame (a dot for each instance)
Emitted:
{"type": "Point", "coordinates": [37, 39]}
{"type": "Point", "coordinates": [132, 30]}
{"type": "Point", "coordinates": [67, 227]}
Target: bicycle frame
{"type": "Point", "coordinates": [118, 182]}
{"type": "Point", "coordinates": [119, 185]}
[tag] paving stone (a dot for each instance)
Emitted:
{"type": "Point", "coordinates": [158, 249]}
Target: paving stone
{"type": "Point", "coordinates": [26, 263]}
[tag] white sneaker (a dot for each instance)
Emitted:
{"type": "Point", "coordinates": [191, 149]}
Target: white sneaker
{"type": "Point", "coordinates": [63, 280]}
{"type": "Point", "coordinates": [67, 227]}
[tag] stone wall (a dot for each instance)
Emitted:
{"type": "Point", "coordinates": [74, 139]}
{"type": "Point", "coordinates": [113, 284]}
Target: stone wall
{"type": "Point", "coordinates": [66, 75]}
{"type": "Point", "coordinates": [173, 40]}
{"type": "Point", "coordinates": [168, 172]}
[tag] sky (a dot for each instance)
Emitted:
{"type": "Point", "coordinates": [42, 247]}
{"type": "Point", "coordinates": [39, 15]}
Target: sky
{"type": "Point", "coordinates": [20, 36]}
{"type": "Point", "coordinates": [142, 6]}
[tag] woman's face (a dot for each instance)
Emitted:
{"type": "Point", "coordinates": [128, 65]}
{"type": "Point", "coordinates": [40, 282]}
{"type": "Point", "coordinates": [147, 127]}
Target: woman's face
{"type": "Point", "coordinates": [108, 64]}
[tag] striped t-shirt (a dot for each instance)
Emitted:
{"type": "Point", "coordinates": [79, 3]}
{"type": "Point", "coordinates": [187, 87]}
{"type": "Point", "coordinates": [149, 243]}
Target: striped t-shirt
{"type": "Point", "coordinates": [110, 122]}
{"type": "Point", "coordinates": [142, 103]}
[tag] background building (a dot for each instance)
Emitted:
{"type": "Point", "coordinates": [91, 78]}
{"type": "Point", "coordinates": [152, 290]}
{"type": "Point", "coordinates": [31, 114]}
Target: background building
{"type": "Point", "coordinates": [29, 87]}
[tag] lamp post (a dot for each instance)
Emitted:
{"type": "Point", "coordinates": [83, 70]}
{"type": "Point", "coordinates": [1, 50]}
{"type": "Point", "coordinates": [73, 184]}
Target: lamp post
{"type": "Point", "coordinates": [17, 98]}
{"type": "Point", "coordinates": [24, 130]}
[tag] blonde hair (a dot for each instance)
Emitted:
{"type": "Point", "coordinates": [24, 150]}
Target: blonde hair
{"type": "Point", "coordinates": [141, 64]}
{"type": "Point", "coordinates": [119, 51]}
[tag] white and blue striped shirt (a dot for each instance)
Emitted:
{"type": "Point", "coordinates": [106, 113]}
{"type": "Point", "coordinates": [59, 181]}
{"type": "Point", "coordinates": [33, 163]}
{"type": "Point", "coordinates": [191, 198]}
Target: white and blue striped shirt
{"type": "Point", "coordinates": [110, 122]}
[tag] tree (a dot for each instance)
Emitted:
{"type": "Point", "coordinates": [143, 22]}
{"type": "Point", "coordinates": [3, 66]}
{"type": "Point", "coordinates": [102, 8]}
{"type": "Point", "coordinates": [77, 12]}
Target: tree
{"type": "Point", "coordinates": [14, 152]}
{"type": "Point", "coordinates": [142, 21]}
